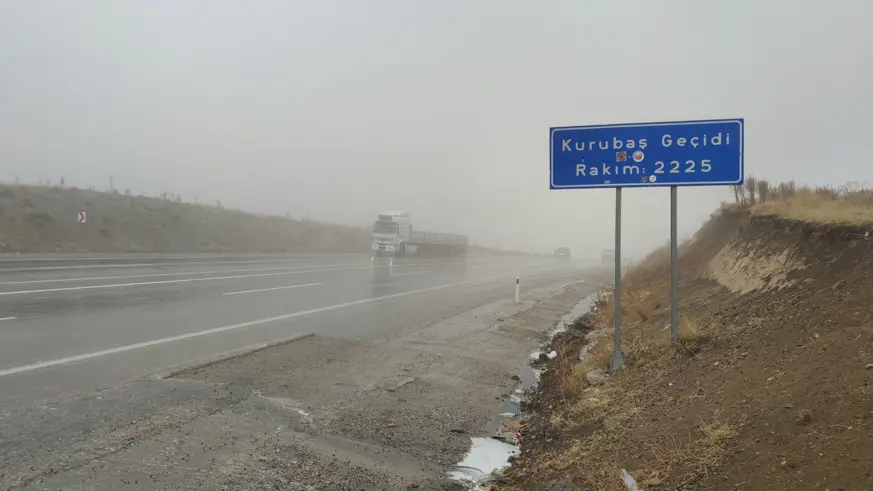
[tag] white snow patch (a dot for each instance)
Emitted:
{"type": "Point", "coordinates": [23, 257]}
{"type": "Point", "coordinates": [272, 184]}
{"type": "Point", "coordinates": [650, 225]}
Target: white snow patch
{"type": "Point", "coordinates": [485, 456]}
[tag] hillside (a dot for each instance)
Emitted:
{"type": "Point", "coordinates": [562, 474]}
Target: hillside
{"type": "Point", "coordinates": [44, 219]}
{"type": "Point", "coordinates": [770, 388]}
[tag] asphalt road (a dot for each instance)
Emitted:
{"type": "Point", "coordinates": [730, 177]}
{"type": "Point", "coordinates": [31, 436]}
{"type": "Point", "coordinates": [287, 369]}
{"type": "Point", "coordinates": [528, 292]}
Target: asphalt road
{"type": "Point", "coordinates": [71, 323]}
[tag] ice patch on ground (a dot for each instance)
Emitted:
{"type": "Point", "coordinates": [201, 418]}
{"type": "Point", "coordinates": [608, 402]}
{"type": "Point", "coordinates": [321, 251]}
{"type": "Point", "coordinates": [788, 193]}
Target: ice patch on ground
{"type": "Point", "coordinates": [485, 456]}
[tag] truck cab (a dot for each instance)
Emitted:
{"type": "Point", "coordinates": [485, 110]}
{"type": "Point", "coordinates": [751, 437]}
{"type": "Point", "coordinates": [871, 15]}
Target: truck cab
{"type": "Point", "coordinates": [391, 232]}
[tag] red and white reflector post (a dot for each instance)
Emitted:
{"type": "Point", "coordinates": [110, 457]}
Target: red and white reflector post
{"type": "Point", "coordinates": [517, 286]}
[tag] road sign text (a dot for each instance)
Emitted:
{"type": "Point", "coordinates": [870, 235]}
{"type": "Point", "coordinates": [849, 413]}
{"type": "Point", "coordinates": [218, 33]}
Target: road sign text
{"type": "Point", "coordinates": [686, 153]}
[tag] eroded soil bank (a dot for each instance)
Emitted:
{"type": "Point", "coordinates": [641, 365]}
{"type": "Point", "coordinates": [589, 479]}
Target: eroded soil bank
{"type": "Point", "coordinates": [770, 388]}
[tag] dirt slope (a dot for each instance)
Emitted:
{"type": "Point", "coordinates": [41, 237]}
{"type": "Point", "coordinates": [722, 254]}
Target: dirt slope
{"type": "Point", "coordinates": [771, 388]}
{"type": "Point", "coordinates": [43, 219]}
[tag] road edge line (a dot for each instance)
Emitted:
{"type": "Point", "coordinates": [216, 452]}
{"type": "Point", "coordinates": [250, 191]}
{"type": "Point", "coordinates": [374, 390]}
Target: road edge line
{"type": "Point", "coordinates": [225, 356]}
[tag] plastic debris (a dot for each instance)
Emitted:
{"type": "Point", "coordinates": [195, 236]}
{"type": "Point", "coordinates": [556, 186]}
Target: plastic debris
{"type": "Point", "coordinates": [629, 481]}
{"type": "Point", "coordinates": [552, 355]}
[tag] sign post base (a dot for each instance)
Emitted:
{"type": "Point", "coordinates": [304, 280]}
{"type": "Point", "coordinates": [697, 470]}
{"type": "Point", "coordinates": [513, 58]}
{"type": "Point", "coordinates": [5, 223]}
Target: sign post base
{"type": "Point", "coordinates": [617, 361]}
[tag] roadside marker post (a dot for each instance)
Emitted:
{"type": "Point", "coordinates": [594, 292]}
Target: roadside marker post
{"type": "Point", "coordinates": [517, 289]}
{"type": "Point", "coordinates": [82, 217]}
{"type": "Point", "coordinates": [663, 154]}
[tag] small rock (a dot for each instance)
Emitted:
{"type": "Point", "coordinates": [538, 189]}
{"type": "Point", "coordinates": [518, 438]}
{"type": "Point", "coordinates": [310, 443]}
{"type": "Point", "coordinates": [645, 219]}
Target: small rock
{"type": "Point", "coordinates": [516, 378]}
{"type": "Point", "coordinates": [458, 430]}
{"type": "Point", "coordinates": [869, 366]}
{"type": "Point", "coordinates": [652, 482]}
{"type": "Point", "coordinates": [510, 426]}
{"type": "Point", "coordinates": [805, 417]}
{"type": "Point", "coordinates": [596, 377]}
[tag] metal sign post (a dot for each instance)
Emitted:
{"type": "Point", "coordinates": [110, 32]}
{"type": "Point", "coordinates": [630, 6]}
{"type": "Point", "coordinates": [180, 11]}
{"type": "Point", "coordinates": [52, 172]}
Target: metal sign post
{"type": "Point", "coordinates": [667, 154]}
{"type": "Point", "coordinates": [617, 360]}
{"type": "Point", "coordinates": [674, 257]}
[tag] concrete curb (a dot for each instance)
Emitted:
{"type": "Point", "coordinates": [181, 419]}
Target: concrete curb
{"type": "Point", "coordinates": [227, 355]}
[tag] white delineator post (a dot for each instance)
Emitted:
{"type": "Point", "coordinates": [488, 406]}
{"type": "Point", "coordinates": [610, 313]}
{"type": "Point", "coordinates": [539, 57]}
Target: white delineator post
{"type": "Point", "coordinates": [517, 286]}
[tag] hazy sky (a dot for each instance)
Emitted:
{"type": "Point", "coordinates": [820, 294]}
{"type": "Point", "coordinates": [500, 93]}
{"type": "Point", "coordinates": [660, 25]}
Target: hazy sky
{"type": "Point", "coordinates": [340, 109]}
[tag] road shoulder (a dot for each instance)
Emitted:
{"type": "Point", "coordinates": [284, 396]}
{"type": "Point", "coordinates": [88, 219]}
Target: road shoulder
{"type": "Point", "coordinates": [322, 412]}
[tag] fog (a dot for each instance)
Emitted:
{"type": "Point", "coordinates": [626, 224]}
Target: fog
{"type": "Point", "coordinates": [339, 109]}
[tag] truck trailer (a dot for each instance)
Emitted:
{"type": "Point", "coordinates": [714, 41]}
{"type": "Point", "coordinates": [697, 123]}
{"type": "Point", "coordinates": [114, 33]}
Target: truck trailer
{"type": "Point", "coordinates": [393, 235]}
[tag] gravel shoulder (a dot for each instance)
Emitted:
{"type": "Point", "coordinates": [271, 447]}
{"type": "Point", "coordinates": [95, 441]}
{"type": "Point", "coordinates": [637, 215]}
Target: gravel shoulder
{"type": "Point", "coordinates": [319, 413]}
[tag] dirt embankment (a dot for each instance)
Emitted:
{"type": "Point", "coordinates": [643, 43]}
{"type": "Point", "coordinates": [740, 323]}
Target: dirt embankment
{"type": "Point", "coordinates": [770, 388]}
{"type": "Point", "coordinates": [44, 219]}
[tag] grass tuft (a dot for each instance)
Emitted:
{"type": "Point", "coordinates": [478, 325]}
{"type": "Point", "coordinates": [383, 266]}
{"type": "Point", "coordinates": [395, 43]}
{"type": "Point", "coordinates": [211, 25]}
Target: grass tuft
{"type": "Point", "coordinates": [851, 204]}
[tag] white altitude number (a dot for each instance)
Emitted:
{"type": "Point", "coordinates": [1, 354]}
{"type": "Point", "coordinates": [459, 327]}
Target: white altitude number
{"type": "Point", "coordinates": [676, 167]}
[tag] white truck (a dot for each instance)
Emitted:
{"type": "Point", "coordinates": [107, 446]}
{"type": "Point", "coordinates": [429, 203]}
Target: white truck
{"type": "Point", "coordinates": [393, 235]}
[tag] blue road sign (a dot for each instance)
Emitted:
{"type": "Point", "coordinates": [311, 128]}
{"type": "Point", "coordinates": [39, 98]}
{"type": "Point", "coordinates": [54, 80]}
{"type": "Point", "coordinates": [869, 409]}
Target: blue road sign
{"type": "Point", "coordinates": [679, 153]}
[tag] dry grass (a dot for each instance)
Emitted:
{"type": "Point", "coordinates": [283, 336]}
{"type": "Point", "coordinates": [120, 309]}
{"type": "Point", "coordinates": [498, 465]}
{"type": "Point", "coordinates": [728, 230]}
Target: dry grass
{"type": "Point", "coordinates": [43, 219]}
{"type": "Point", "coordinates": [617, 409]}
{"type": "Point", "coordinates": [850, 204]}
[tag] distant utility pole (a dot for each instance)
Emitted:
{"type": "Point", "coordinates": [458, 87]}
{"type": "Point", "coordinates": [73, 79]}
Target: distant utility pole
{"type": "Point", "coordinates": [111, 184]}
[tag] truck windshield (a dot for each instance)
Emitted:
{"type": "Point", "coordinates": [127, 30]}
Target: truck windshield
{"type": "Point", "coordinates": [385, 228]}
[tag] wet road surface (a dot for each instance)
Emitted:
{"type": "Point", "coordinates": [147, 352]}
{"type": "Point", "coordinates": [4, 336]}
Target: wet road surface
{"type": "Point", "coordinates": [71, 323]}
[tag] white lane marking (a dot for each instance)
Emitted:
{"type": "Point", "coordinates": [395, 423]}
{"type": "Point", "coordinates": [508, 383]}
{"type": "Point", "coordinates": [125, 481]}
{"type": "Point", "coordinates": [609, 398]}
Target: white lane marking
{"type": "Point", "coordinates": [411, 273]}
{"type": "Point", "coordinates": [220, 271]}
{"type": "Point", "coordinates": [121, 257]}
{"type": "Point", "coordinates": [8, 318]}
{"type": "Point", "coordinates": [274, 288]}
{"type": "Point", "coordinates": [154, 275]}
{"type": "Point", "coordinates": [140, 265]}
{"type": "Point", "coordinates": [185, 280]}
{"type": "Point", "coordinates": [215, 330]}
{"type": "Point", "coordinates": [109, 258]}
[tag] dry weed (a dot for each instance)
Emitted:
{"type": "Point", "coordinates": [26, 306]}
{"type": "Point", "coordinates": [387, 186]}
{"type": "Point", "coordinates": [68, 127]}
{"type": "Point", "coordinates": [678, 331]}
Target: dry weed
{"type": "Point", "coordinates": [597, 355]}
{"type": "Point", "coordinates": [847, 205]}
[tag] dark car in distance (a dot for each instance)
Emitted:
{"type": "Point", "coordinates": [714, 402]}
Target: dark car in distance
{"type": "Point", "coordinates": [562, 252]}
